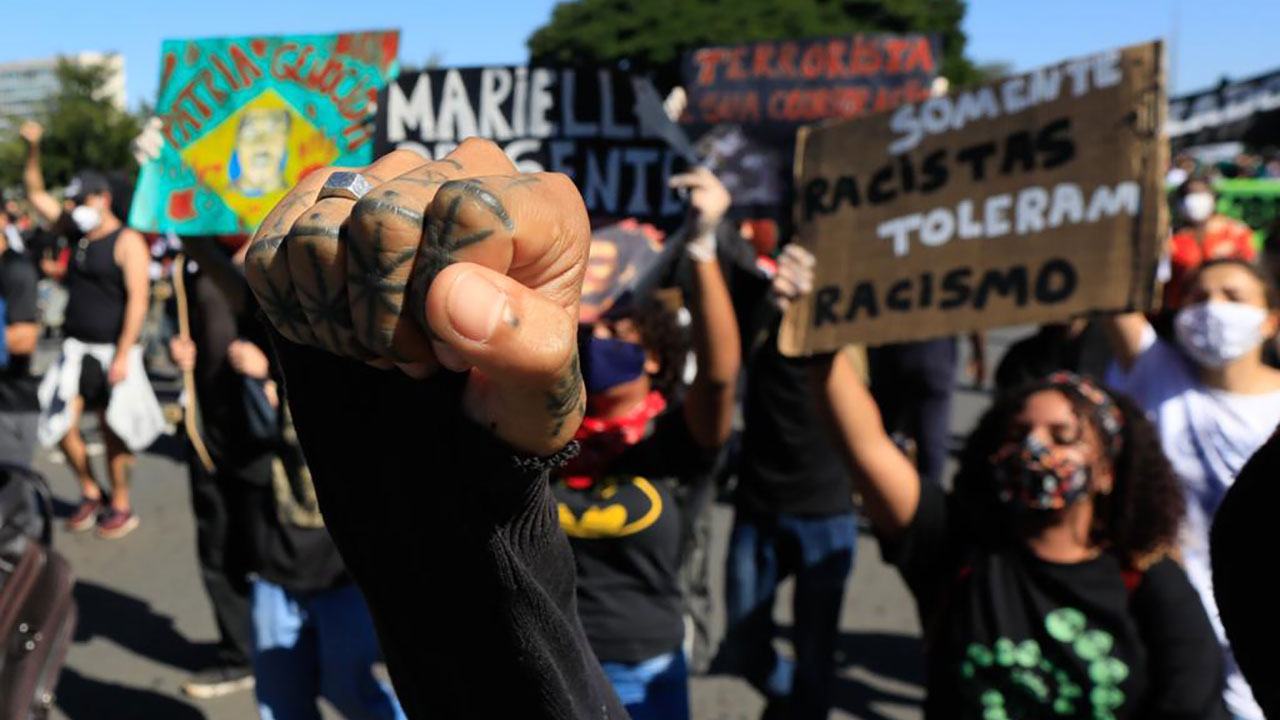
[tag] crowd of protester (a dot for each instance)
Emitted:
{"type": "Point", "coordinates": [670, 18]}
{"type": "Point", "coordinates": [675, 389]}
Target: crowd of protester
{"type": "Point", "coordinates": [506, 496]}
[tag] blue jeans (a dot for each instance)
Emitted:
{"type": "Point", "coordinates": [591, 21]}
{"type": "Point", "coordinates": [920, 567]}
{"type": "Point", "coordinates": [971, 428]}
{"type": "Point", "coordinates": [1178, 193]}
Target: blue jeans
{"type": "Point", "coordinates": [313, 645]}
{"type": "Point", "coordinates": [656, 689]}
{"type": "Point", "coordinates": [763, 551]}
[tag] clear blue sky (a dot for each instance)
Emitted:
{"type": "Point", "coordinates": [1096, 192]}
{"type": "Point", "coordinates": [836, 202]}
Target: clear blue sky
{"type": "Point", "coordinates": [1231, 37]}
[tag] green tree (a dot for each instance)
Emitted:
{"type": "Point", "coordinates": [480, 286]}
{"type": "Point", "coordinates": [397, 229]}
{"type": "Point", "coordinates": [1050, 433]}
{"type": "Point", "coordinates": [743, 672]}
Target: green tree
{"type": "Point", "coordinates": [652, 35]}
{"type": "Point", "coordinates": [83, 129]}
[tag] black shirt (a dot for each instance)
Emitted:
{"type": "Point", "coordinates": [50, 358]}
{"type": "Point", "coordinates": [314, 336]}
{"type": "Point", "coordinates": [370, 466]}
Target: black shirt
{"type": "Point", "coordinates": [95, 291]}
{"type": "Point", "coordinates": [1014, 636]}
{"type": "Point", "coordinates": [1242, 547]}
{"type": "Point", "coordinates": [789, 463]}
{"type": "Point", "coordinates": [454, 542]}
{"type": "Point", "coordinates": [18, 288]}
{"type": "Point", "coordinates": [625, 530]}
{"type": "Point", "coordinates": [290, 545]}
{"type": "Point", "coordinates": [220, 390]}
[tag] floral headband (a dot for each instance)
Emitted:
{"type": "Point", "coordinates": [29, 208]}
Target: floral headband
{"type": "Point", "coordinates": [1106, 412]}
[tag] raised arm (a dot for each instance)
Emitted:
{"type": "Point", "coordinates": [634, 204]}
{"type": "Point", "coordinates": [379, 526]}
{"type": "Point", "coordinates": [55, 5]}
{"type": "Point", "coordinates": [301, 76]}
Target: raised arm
{"type": "Point", "coordinates": [134, 260]}
{"type": "Point", "coordinates": [1125, 332]}
{"type": "Point", "coordinates": [888, 481]}
{"type": "Point", "coordinates": [709, 405]}
{"type": "Point", "coordinates": [32, 178]}
{"type": "Point", "coordinates": [465, 263]}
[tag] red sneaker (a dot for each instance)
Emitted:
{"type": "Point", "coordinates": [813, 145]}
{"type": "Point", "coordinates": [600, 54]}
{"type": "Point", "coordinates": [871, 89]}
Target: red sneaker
{"type": "Point", "coordinates": [116, 524]}
{"type": "Point", "coordinates": [86, 516]}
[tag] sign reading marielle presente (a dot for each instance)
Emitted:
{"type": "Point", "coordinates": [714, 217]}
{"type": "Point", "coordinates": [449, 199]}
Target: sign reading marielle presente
{"type": "Point", "coordinates": [574, 121]}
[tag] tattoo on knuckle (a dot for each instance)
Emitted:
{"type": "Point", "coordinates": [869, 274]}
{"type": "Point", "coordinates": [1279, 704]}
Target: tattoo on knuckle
{"type": "Point", "coordinates": [455, 190]}
{"type": "Point", "coordinates": [369, 270]}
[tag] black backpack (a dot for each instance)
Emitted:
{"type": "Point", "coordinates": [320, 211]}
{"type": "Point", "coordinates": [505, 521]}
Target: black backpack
{"type": "Point", "coordinates": [37, 612]}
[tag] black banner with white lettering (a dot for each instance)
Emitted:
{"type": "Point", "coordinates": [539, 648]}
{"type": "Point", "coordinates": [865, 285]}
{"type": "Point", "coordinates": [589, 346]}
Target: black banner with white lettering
{"type": "Point", "coordinates": [581, 122]}
{"type": "Point", "coordinates": [1246, 111]}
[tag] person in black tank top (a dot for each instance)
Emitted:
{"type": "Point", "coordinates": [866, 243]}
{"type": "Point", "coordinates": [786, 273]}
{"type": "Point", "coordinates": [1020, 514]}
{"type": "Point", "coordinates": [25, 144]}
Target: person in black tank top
{"type": "Point", "coordinates": [96, 291]}
{"type": "Point", "coordinates": [109, 290]}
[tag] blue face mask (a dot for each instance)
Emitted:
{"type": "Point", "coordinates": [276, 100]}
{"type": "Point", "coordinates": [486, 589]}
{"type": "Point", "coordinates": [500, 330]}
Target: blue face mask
{"type": "Point", "coordinates": [608, 362]}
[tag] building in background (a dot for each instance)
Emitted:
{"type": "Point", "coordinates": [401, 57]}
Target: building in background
{"type": "Point", "coordinates": [26, 84]}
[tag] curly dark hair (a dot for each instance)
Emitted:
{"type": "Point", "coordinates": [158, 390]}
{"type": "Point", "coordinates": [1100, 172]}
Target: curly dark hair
{"type": "Point", "coordinates": [663, 335]}
{"type": "Point", "coordinates": [1140, 517]}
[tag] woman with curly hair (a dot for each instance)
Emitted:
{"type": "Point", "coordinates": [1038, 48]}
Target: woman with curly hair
{"type": "Point", "coordinates": [1044, 581]}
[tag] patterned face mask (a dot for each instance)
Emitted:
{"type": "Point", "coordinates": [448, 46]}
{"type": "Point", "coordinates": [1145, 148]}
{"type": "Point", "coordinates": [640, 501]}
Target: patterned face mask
{"type": "Point", "coordinates": [1033, 475]}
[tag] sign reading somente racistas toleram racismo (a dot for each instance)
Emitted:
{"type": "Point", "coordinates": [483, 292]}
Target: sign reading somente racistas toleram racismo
{"type": "Point", "coordinates": [1029, 200]}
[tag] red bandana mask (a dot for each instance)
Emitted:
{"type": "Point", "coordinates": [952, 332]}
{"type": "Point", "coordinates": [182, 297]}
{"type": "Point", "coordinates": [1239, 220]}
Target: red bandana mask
{"type": "Point", "coordinates": [603, 440]}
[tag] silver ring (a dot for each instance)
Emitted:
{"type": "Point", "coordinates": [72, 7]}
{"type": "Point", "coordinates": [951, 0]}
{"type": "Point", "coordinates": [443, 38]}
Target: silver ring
{"type": "Point", "coordinates": [346, 185]}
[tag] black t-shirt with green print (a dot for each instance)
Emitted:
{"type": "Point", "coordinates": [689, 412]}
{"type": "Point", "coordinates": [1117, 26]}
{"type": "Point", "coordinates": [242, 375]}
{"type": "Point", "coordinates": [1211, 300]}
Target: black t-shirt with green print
{"type": "Point", "coordinates": [1012, 636]}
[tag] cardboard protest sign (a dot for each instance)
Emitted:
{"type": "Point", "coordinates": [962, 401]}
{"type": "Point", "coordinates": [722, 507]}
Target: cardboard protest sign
{"type": "Point", "coordinates": [1245, 110]}
{"type": "Point", "coordinates": [575, 121]}
{"type": "Point", "coordinates": [246, 117]}
{"type": "Point", "coordinates": [1028, 200]}
{"type": "Point", "coordinates": [787, 83]}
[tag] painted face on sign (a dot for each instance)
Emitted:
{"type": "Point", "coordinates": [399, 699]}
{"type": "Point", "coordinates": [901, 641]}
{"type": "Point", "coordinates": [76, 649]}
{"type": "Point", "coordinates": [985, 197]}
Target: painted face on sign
{"type": "Point", "coordinates": [262, 143]}
{"type": "Point", "coordinates": [602, 269]}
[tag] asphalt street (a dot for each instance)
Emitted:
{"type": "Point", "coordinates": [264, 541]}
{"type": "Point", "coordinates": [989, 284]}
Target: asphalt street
{"type": "Point", "coordinates": [145, 622]}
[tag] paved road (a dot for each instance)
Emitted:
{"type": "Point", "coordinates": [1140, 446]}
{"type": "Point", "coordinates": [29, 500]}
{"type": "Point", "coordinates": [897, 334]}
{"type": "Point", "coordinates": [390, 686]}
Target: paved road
{"type": "Point", "coordinates": [145, 623]}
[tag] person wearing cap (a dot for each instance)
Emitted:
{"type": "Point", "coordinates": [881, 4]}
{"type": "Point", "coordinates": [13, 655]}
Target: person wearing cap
{"type": "Point", "coordinates": [100, 367]}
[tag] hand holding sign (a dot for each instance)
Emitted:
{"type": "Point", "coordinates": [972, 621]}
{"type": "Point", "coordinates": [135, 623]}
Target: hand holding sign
{"type": "Point", "coordinates": [462, 262]}
{"type": "Point", "coordinates": [708, 203]}
{"type": "Point", "coordinates": [795, 276]}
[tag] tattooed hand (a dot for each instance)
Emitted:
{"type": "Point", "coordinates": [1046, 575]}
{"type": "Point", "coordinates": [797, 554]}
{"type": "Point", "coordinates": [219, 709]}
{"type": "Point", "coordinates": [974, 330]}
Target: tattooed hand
{"type": "Point", "coordinates": [462, 263]}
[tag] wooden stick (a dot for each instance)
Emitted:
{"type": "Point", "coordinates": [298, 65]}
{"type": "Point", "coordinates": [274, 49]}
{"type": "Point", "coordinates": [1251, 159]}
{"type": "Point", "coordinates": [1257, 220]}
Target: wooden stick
{"type": "Point", "coordinates": [189, 415]}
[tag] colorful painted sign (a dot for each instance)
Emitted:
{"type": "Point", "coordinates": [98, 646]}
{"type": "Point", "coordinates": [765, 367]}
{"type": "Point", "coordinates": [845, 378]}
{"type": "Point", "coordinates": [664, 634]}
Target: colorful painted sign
{"type": "Point", "coordinates": [244, 118]}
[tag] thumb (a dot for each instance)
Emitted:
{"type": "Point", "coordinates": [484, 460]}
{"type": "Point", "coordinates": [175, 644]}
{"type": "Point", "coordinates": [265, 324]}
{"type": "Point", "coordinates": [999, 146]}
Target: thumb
{"type": "Point", "coordinates": [522, 349]}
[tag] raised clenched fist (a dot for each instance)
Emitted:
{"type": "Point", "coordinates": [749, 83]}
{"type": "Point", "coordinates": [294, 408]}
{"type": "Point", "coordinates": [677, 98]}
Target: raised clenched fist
{"type": "Point", "coordinates": [461, 262]}
{"type": "Point", "coordinates": [31, 131]}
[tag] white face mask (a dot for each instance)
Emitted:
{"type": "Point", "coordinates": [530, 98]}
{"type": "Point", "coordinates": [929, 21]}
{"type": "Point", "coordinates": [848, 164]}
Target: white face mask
{"type": "Point", "coordinates": [87, 219]}
{"type": "Point", "coordinates": [1198, 206]}
{"type": "Point", "coordinates": [1215, 333]}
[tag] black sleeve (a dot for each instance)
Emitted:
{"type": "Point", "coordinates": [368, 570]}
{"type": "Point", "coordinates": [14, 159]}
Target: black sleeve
{"type": "Point", "coordinates": [1242, 545]}
{"type": "Point", "coordinates": [923, 552]}
{"type": "Point", "coordinates": [453, 540]}
{"type": "Point", "coordinates": [1185, 659]}
{"type": "Point", "coordinates": [19, 291]}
